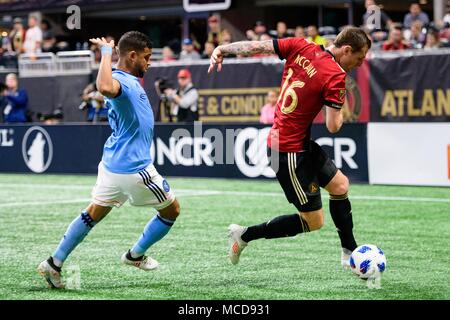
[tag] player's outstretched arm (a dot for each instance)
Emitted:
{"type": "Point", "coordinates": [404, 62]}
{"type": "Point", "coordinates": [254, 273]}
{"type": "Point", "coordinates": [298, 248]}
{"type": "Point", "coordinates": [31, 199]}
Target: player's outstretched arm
{"type": "Point", "coordinates": [242, 48]}
{"type": "Point", "coordinates": [106, 85]}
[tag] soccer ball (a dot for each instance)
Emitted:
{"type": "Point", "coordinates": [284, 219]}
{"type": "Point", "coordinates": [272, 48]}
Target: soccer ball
{"type": "Point", "coordinates": [368, 261]}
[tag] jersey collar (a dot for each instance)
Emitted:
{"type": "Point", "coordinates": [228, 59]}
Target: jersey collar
{"type": "Point", "coordinates": [332, 55]}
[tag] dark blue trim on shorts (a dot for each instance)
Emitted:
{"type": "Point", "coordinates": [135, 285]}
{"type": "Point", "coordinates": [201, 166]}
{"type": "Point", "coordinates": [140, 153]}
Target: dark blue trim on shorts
{"type": "Point", "coordinates": [145, 179]}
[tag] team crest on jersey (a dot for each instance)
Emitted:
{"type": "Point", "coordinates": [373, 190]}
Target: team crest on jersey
{"type": "Point", "coordinates": [166, 186]}
{"type": "Point", "coordinates": [313, 187]}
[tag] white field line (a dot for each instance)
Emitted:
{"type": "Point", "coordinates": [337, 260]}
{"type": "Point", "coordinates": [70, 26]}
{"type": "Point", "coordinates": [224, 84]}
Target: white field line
{"type": "Point", "coordinates": [42, 203]}
{"type": "Point", "coordinates": [46, 186]}
{"type": "Point", "coordinates": [192, 193]}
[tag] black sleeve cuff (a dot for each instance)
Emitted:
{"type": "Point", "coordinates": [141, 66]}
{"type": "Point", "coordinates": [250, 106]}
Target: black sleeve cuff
{"type": "Point", "coordinates": [333, 105]}
{"type": "Point", "coordinates": [277, 49]}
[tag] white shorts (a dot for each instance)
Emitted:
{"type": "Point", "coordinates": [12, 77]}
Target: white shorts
{"type": "Point", "coordinates": [145, 188]}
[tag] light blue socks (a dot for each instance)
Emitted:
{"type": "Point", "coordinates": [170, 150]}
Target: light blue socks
{"type": "Point", "coordinates": [154, 231]}
{"type": "Point", "coordinates": [75, 233]}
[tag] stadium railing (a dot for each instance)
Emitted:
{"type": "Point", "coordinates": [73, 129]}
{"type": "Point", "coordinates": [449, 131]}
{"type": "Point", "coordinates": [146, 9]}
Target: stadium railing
{"type": "Point", "coordinates": [75, 62]}
{"type": "Point", "coordinates": [156, 54]}
{"type": "Point", "coordinates": [408, 53]}
{"type": "Point", "coordinates": [37, 65]}
{"type": "Point", "coordinates": [49, 64]}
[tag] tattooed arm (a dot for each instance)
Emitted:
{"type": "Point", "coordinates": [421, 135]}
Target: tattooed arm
{"type": "Point", "coordinates": [245, 48]}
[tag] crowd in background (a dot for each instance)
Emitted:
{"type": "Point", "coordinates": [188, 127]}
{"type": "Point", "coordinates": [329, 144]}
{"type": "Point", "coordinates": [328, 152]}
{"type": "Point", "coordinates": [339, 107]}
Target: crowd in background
{"type": "Point", "coordinates": [416, 31]}
{"type": "Point", "coordinates": [36, 35]}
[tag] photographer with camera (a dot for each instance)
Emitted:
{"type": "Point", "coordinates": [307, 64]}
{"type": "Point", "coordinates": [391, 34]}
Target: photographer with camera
{"type": "Point", "coordinates": [93, 102]}
{"type": "Point", "coordinates": [161, 84]}
{"type": "Point", "coordinates": [185, 99]}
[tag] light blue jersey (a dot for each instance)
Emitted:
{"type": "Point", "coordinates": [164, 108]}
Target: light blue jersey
{"type": "Point", "coordinates": [130, 116]}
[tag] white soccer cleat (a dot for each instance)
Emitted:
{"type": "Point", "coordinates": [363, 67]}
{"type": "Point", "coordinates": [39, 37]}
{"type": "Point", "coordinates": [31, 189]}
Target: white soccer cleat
{"type": "Point", "coordinates": [345, 258]}
{"type": "Point", "coordinates": [235, 242]}
{"type": "Point", "coordinates": [51, 274]}
{"type": "Point", "coordinates": [146, 263]}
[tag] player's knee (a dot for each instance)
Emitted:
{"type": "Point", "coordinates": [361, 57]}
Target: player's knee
{"type": "Point", "coordinates": [342, 186]}
{"type": "Point", "coordinates": [171, 212]}
{"type": "Point", "coordinates": [176, 208]}
{"type": "Point", "coordinates": [317, 223]}
{"type": "Point", "coordinates": [314, 220]}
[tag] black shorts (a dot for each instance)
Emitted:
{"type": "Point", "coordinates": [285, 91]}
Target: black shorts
{"type": "Point", "coordinates": [302, 174]}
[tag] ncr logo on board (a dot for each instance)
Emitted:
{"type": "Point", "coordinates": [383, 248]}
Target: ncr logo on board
{"type": "Point", "coordinates": [37, 149]}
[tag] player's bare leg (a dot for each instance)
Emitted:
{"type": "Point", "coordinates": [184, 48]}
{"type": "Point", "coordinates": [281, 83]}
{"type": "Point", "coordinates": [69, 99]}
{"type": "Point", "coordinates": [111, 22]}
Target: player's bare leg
{"type": "Point", "coordinates": [341, 213]}
{"type": "Point", "coordinates": [279, 227]}
{"type": "Point", "coordinates": [50, 269]}
{"type": "Point", "coordinates": [154, 231]}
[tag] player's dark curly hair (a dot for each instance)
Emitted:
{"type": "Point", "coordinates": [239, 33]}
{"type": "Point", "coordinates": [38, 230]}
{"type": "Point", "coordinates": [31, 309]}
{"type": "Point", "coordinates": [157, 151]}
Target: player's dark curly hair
{"type": "Point", "coordinates": [354, 37]}
{"type": "Point", "coordinates": [133, 41]}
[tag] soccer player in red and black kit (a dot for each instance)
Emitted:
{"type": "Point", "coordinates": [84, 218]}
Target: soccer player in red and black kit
{"type": "Point", "coordinates": [313, 77]}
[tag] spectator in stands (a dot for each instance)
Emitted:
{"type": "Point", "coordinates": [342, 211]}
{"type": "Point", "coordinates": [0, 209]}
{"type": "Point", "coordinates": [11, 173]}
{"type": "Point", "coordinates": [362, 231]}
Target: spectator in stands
{"type": "Point", "coordinates": [378, 37]}
{"type": "Point", "coordinates": [33, 36]}
{"type": "Point", "coordinates": [188, 52]}
{"type": "Point", "coordinates": [185, 98]}
{"type": "Point", "coordinates": [281, 31]}
{"type": "Point", "coordinates": [4, 42]}
{"type": "Point", "coordinates": [209, 48]}
{"type": "Point", "coordinates": [167, 54]}
{"type": "Point", "coordinates": [395, 40]}
{"type": "Point", "coordinates": [446, 19]}
{"type": "Point", "coordinates": [268, 110]}
{"type": "Point", "coordinates": [415, 14]}
{"type": "Point", "coordinates": [251, 35]}
{"type": "Point", "coordinates": [299, 32]}
{"type": "Point", "coordinates": [433, 41]}
{"type": "Point", "coordinates": [370, 20]}
{"type": "Point", "coordinates": [17, 101]}
{"type": "Point", "coordinates": [313, 35]}
{"type": "Point", "coordinates": [48, 38]}
{"type": "Point", "coordinates": [17, 36]}
{"type": "Point", "coordinates": [8, 58]}
{"type": "Point", "coordinates": [225, 37]}
{"type": "Point", "coordinates": [415, 36]}
{"type": "Point", "coordinates": [260, 29]}
{"type": "Point", "coordinates": [214, 32]}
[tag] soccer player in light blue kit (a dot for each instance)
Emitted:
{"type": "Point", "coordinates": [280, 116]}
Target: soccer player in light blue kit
{"type": "Point", "coordinates": [126, 171]}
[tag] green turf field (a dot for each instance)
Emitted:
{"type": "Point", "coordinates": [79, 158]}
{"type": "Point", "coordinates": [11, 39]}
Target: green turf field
{"type": "Point", "coordinates": [412, 226]}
